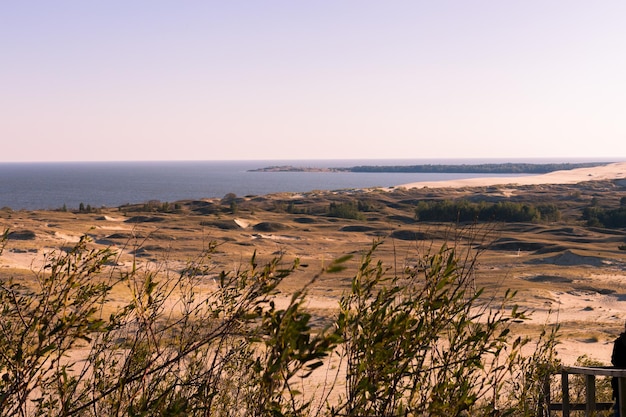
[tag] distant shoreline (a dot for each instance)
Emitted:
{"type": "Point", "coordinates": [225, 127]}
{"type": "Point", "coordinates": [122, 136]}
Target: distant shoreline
{"type": "Point", "coordinates": [603, 172]}
{"type": "Point", "coordinates": [56, 185]}
{"type": "Point", "coordinates": [491, 168]}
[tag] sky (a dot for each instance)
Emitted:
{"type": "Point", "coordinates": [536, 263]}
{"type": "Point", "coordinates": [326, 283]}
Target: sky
{"type": "Point", "coordinates": [238, 80]}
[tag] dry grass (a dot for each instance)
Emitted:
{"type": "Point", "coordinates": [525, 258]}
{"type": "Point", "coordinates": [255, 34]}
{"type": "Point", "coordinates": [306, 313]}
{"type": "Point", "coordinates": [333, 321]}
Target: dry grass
{"type": "Point", "coordinates": [563, 271]}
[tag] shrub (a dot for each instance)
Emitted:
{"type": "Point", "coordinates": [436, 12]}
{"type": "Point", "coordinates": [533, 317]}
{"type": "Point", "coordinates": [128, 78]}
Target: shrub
{"type": "Point", "coordinates": [348, 210]}
{"type": "Point", "coordinates": [85, 209]}
{"type": "Point", "coordinates": [466, 211]}
{"type": "Point", "coordinates": [600, 217]}
{"type": "Point", "coordinates": [168, 351]}
{"type": "Point", "coordinates": [420, 341]}
{"type": "Point", "coordinates": [22, 235]}
{"type": "Point", "coordinates": [228, 198]}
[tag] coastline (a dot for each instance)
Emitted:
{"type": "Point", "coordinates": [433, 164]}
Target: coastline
{"type": "Point", "coordinates": [564, 271]}
{"type": "Point", "coordinates": [612, 171]}
{"type": "Point", "coordinates": [53, 186]}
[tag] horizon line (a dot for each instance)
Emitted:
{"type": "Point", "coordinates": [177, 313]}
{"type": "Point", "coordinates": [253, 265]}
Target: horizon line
{"type": "Point", "coordinates": [474, 158]}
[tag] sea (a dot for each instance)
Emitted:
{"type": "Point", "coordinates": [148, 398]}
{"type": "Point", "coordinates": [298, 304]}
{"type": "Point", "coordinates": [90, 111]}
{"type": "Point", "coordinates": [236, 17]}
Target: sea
{"type": "Point", "coordinates": [53, 185]}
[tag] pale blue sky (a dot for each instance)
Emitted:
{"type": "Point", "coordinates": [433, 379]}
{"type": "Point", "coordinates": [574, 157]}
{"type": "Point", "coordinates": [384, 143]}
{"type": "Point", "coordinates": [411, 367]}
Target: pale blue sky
{"type": "Point", "coordinates": [205, 80]}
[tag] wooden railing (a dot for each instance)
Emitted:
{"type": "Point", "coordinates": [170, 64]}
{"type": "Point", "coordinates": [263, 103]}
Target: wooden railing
{"type": "Point", "coordinates": [590, 405]}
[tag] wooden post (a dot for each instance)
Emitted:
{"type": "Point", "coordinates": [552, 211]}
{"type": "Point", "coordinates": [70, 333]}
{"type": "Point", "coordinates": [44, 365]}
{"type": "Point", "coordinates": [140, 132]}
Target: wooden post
{"type": "Point", "coordinates": [565, 389]}
{"type": "Point", "coordinates": [590, 383]}
{"type": "Point", "coordinates": [621, 383]}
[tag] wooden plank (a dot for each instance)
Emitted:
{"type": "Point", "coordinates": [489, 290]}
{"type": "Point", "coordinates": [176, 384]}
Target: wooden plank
{"type": "Point", "coordinates": [579, 407]}
{"type": "Point", "coordinates": [596, 370]}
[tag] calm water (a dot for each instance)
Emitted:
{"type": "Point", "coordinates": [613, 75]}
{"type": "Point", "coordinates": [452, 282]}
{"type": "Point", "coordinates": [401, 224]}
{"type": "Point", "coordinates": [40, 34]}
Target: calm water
{"type": "Point", "coordinates": [51, 185]}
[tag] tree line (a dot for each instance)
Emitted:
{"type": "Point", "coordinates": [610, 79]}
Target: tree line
{"type": "Point", "coordinates": [467, 211]}
{"type": "Point", "coordinates": [503, 168]}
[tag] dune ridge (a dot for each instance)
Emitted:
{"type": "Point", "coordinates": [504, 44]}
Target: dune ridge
{"type": "Point", "coordinates": [612, 171]}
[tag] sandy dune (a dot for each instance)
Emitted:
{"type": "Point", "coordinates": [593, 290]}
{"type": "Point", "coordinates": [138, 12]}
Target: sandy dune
{"type": "Point", "coordinates": [606, 172]}
{"type": "Point", "coordinates": [565, 272]}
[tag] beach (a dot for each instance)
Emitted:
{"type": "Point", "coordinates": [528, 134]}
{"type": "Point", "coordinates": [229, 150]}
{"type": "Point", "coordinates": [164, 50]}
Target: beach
{"type": "Point", "coordinates": [611, 171]}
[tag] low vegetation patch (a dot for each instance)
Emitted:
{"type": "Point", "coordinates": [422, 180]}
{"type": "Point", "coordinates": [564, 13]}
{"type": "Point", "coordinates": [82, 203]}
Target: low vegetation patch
{"type": "Point", "coordinates": [22, 235]}
{"type": "Point", "coordinates": [602, 217]}
{"type": "Point", "coordinates": [411, 342]}
{"type": "Point", "coordinates": [346, 210]}
{"type": "Point", "coordinates": [467, 211]}
{"type": "Point", "coordinates": [269, 227]}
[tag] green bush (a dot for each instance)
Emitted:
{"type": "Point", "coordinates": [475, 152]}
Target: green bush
{"type": "Point", "coordinates": [466, 211]}
{"type": "Point", "coordinates": [421, 341]}
{"type": "Point", "coordinates": [600, 217]}
{"type": "Point", "coordinates": [348, 210]}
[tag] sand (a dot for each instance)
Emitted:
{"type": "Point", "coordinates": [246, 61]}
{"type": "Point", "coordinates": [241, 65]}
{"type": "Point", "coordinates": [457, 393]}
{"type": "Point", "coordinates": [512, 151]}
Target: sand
{"type": "Point", "coordinates": [586, 307]}
{"type": "Point", "coordinates": [615, 170]}
{"type": "Point", "coordinates": [582, 286]}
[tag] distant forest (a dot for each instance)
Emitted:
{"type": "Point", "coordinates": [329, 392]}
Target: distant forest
{"type": "Point", "coordinates": [504, 168]}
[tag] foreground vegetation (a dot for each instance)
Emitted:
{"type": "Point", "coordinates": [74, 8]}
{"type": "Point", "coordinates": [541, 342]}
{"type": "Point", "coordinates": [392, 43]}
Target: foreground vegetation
{"type": "Point", "coordinates": [88, 338]}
